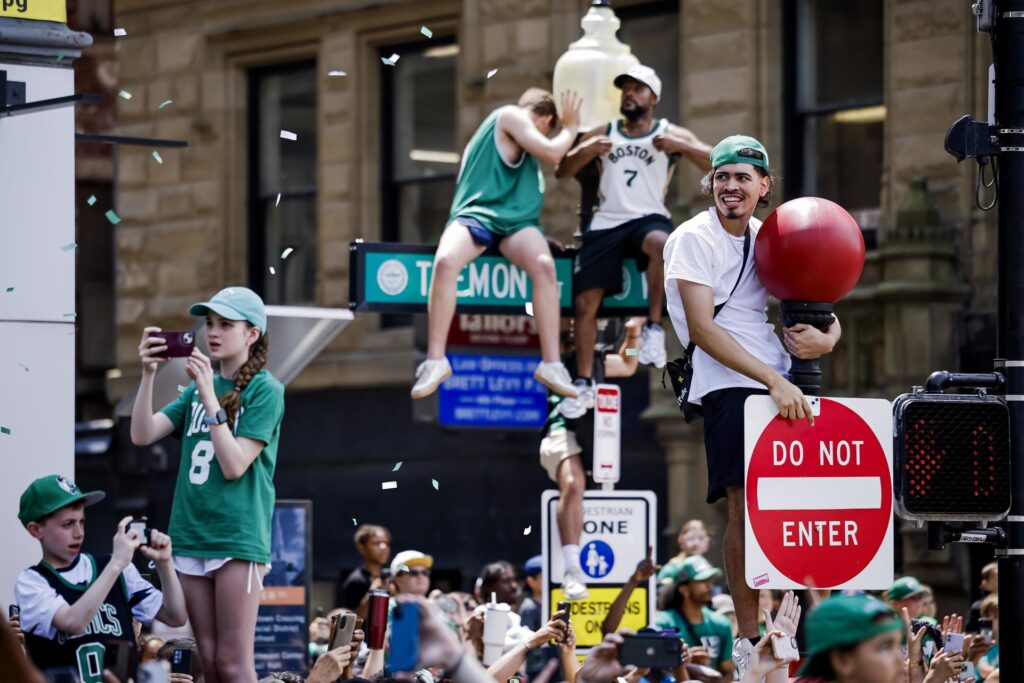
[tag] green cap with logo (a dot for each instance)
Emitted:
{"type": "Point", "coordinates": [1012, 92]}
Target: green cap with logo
{"type": "Point", "coordinates": [693, 568]}
{"type": "Point", "coordinates": [46, 495]}
{"type": "Point", "coordinates": [739, 149]}
{"type": "Point", "coordinates": [905, 587]}
{"type": "Point", "coordinates": [235, 303]}
{"type": "Point", "coordinates": [844, 620]}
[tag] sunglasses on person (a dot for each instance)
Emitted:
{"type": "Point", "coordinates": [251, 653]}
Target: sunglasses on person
{"type": "Point", "coordinates": [416, 572]}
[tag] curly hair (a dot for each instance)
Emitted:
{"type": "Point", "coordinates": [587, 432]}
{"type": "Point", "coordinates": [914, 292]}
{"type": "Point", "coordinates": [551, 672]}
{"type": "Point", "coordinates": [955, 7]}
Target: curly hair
{"type": "Point", "coordinates": [231, 402]}
{"type": "Point", "coordinates": [707, 182]}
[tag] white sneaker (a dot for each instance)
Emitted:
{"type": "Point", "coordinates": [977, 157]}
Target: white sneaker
{"type": "Point", "coordinates": [556, 378]}
{"type": "Point", "coordinates": [429, 376]}
{"type": "Point", "coordinates": [742, 655]}
{"type": "Point", "coordinates": [574, 584]}
{"type": "Point", "coordinates": [575, 408]}
{"type": "Point", "coordinates": [652, 346]}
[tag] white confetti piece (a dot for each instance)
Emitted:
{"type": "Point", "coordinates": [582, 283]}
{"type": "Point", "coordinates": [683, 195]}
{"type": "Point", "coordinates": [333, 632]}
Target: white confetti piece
{"type": "Point", "coordinates": [288, 135]}
{"type": "Point", "coordinates": [390, 61]}
{"type": "Point", "coordinates": [491, 72]}
{"type": "Point", "coordinates": [272, 271]}
{"type": "Point", "coordinates": [91, 200]}
{"type": "Point", "coordinates": [337, 72]}
{"type": "Point", "coordinates": [354, 523]}
{"type": "Point", "coordinates": [397, 466]}
{"type": "Point", "coordinates": [125, 95]}
{"type": "Point", "coordinates": [437, 487]}
{"type": "Point", "coordinates": [159, 159]}
{"type": "Point", "coordinates": [426, 31]}
{"type": "Point", "coordinates": [527, 530]}
{"type": "Point", "coordinates": [529, 308]}
{"type": "Point", "coordinates": [389, 485]}
{"type": "Point", "coordinates": [277, 202]}
{"type": "Point", "coordinates": [165, 103]}
{"type": "Point", "coordinates": [286, 253]}
{"type": "Point", "coordinates": [118, 32]}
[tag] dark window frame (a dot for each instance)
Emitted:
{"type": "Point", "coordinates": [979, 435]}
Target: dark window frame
{"type": "Point", "coordinates": [257, 224]}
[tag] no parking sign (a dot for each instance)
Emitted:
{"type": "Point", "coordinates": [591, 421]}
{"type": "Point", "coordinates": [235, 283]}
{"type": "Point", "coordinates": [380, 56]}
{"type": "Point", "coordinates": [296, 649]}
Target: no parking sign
{"type": "Point", "coordinates": [819, 499]}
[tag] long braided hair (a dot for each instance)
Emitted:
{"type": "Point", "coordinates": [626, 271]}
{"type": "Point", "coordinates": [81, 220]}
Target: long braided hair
{"type": "Point", "coordinates": [231, 402]}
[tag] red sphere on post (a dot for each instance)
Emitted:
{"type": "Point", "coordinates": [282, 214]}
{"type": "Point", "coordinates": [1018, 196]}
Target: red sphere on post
{"type": "Point", "coordinates": [809, 249]}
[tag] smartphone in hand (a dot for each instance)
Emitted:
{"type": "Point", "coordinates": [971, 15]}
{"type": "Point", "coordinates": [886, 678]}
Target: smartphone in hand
{"type": "Point", "coordinates": [405, 637]}
{"type": "Point", "coordinates": [953, 643]}
{"type": "Point", "coordinates": [179, 344]}
{"type": "Point", "coordinates": [342, 627]}
{"type": "Point", "coordinates": [181, 661]}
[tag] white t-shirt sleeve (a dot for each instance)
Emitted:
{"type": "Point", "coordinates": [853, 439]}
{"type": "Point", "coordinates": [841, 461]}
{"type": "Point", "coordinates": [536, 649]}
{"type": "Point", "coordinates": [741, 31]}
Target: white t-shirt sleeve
{"type": "Point", "coordinates": [143, 596]}
{"type": "Point", "coordinates": [692, 259]}
{"type": "Point", "coordinates": [39, 602]}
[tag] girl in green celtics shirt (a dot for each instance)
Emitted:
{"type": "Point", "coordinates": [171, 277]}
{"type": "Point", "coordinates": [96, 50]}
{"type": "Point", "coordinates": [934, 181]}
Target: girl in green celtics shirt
{"type": "Point", "coordinates": [229, 422]}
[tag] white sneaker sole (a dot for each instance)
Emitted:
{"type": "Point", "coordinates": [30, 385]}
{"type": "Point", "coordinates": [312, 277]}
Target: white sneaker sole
{"type": "Point", "coordinates": [577, 596]}
{"type": "Point", "coordinates": [568, 393]}
{"type": "Point", "coordinates": [430, 388]}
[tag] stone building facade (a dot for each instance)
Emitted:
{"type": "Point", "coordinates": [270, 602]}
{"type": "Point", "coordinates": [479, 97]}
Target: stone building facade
{"type": "Point", "coordinates": [927, 297]}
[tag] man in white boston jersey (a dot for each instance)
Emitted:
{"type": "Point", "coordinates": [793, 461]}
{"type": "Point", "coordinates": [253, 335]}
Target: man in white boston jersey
{"type": "Point", "coordinates": [637, 156]}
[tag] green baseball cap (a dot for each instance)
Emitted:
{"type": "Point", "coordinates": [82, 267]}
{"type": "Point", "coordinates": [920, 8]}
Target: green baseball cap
{"type": "Point", "coordinates": [844, 620]}
{"type": "Point", "coordinates": [46, 495]}
{"type": "Point", "coordinates": [235, 303]}
{"type": "Point", "coordinates": [739, 149]}
{"type": "Point", "coordinates": [905, 587]}
{"type": "Point", "coordinates": [693, 568]}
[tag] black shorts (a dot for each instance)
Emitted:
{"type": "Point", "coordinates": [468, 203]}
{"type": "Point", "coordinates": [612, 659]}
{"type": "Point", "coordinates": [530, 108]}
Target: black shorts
{"type": "Point", "coordinates": [599, 261]}
{"type": "Point", "coordinates": [723, 438]}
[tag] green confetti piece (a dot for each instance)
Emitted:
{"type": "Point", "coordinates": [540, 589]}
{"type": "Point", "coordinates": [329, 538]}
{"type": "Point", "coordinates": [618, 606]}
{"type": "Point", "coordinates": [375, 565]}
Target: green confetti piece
{"type": "Point", "coordinates": [159, 159]}
{"type": "Point", "coordinates": [5, 430]}
{"type": "Point", "coordinates": [60, 56]}
{"type": "Point", "coordinates": [165, 103]}
{"type": "Point", "coordinates": [70, 315]}
{"type": "Point", "coordinates": [632, 352]}
{"type": "Point", "coordinates": [10, 289]}
{"type": "Point", "coordinates": [113, 217]}
{"type": "Point", "coordinates": [426, 31]}
{"type": "Point", "coordinates": [125, 95]}
{"type": "Point", "coordinates": [397, 466]}
{"type": "Point", "coordinates": [437, 487]}
{"type": "Point", "coordinates": [70, 246]}
{"type": "Point", "coordinates": [91, 200]}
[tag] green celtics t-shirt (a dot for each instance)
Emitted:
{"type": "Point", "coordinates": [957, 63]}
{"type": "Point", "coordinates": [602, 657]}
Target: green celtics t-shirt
{"type": "Point", "coordinates": [211, 516]}
{"type": "Point", "coordinates": [714, 632]}
{"type": "Point", "coordinates": [504, 197]}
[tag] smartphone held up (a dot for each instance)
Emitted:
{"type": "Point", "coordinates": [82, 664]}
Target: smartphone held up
{"type": "Point", "coordinates": [179, 343]}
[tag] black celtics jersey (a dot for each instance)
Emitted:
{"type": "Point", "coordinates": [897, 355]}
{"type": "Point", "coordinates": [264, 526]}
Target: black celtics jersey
{"type": "Point", "coordinates": [84, 652]}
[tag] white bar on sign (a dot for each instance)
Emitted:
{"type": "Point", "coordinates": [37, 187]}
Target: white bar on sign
{"type": "Point", "coordinates": [819, 493]}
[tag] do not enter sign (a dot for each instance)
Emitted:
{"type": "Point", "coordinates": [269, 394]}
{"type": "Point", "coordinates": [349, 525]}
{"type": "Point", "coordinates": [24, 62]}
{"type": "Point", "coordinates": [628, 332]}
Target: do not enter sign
{"type": "Point", "coordinates": [819, 499]}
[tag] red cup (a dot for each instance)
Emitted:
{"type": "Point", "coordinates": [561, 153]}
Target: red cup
{"type": "Point", "coordinates": [377, 620]}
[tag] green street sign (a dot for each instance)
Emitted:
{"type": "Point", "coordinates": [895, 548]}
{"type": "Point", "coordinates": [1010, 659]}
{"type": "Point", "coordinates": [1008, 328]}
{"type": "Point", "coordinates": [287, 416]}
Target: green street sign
{"type": "Point", "coordinates": [387, 277]}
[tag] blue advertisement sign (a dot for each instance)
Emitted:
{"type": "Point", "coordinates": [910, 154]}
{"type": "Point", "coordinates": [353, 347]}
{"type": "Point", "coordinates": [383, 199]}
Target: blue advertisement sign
{"type": "Point", "coordinates": [282, 633]}
{"type": "Point", "coordinates": [492, 391]}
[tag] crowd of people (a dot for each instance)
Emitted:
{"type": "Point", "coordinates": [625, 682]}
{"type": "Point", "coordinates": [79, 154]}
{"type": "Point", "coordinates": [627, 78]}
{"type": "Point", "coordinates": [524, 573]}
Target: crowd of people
{"type": "Point", "coordinates": [81, 613]}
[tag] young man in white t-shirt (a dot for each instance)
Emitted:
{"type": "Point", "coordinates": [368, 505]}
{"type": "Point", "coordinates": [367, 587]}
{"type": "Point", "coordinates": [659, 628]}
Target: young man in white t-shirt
{"type": "Point", "coordinates": [737, 352]}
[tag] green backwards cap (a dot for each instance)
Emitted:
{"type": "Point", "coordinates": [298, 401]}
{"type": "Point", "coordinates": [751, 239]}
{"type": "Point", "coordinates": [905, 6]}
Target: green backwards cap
{"type": "Point", "coordinates": [844, 620]}
{"type": "Point", "coordinates": [46, 495]}
{"type": "Point", "coordinates": [739, 149]}
{"type": "Point", "coordinates": [693, 568]}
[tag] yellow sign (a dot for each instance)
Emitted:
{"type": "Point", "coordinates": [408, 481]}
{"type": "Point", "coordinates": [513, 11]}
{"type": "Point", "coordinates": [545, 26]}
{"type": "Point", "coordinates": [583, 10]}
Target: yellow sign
{"type": "Point", "coordinates": [588, 615]}
{"type": "Point", "coordinates": [40, 10]}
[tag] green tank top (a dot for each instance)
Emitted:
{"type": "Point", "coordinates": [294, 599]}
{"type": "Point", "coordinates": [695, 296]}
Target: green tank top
{"type": "Point", "coordinates": [504, 198]}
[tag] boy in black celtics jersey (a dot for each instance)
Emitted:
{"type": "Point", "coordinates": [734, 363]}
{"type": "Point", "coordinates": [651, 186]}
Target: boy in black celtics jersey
{"type": "Point", "coordinates": [73, 603]}
{"type": "Point", "coordinates": [637, 156]}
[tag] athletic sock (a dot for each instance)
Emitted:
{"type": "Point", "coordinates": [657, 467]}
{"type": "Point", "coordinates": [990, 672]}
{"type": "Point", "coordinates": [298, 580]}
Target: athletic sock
{"type": "Point", "coordinates": [571, 555]}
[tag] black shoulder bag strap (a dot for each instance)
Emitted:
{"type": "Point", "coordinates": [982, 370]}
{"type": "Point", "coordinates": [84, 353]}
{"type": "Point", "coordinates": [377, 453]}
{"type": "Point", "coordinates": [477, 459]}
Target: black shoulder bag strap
{"type": "Point", "coordinates": [691, 347]}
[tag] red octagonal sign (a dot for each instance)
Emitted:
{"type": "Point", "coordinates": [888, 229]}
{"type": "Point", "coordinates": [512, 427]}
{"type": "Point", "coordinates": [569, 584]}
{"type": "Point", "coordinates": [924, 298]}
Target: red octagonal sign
{"type": "Point", "coordinates": [819, 499]}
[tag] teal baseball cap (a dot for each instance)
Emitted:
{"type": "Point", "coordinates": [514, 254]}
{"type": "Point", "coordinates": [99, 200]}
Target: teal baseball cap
{"type": "Point", "coordinates": [235, 303]}
{"type": "Point", "coordinates": [739, 149]}
{"type": "Point", "coordinates": [693, 568]}
{"type": "Point", "coordinates": [46, 495]}
{"type": "Point", "coordinates": [905, 587]}
{"type": "Point", "coordinates": [844, 620]}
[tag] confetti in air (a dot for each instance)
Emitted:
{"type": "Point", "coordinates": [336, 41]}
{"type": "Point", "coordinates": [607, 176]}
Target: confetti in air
{"type": "Point", "coordinates": [272, 271]}
{"type": "Point", "coordinates": [69, 247]}
{"type": "Point", "coordinates": [159, 159]}
{"type": "Point", "coordinates": [527, 530]}
{"type": "Point", "coordinates": [389, 485]}
{"type": "Point", "coordinates": [113, 217]}
{"type": "Point", "coordinates": [70, 315]}
{"type": "Point", "coordinates": [631, 352]}
{"type": "Point", "coordinates": [426, 31]}
{"type": "Point", "coordinates": [118, 32]}
{"type": "Point", "coordinates": [60, 56]}
{"type": "Point", "coordinates": [10, 289]}
{"type": "Point", "coordinates": [278, 201]}
{"type": "Point", "coordinates": [91, 200]}
{"type": "Point", "coordinates": [23, 366]}
{"type": "Point", "coordinates": [125, 95]}
{"type": "Point", "coordinates": [337, 72]}
{"type": "Point", "coordinates": [354, 523]}
{"type": "Point", "coordinates": [437, 487]}
{"type": "Point", "coordinates": [390, 61]}
{"type": "Point", "coordinates": [286, 253]}
{"type": "Point", "coordinates": [5, 430]}
{"type": "Point", "coordinates": [491, 72]}
{"type": "Point", "coordinates": [397, 466]}
{"type": "Point", "coordinates": [529, 308]}
{"type": "Point", "coordinates": [288, 135]}
{"type": "Point", "coordinates": [165, 103]}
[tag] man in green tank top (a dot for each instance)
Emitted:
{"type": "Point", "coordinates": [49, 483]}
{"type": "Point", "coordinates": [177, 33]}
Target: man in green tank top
{"type": "Point", "coordinates": [498, 199]}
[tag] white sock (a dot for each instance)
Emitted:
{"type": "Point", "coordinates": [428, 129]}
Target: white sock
{"type": "Point", "coordinates": [571, 555]}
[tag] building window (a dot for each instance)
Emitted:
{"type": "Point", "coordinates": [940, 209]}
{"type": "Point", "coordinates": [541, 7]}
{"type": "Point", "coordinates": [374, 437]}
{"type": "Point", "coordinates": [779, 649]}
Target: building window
{"type": "Point", "coordinates": [835, 115]}
{"type": "Point", "coordinates": [419, 153]}
{"type": "Point", "coordinates": [282, 183]}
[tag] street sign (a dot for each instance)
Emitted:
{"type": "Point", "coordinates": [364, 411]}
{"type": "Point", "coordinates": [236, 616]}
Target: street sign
{"type": "Point", "coordinates": [618, 526]}
{"type": "Point", "coordinates": [607, 433]}
{"type": "Point", "coordinates": [492, 391]}
{"type": "Point", "coordinates": [819, 499]}
{"type": "Point", "coordinates": [387, 277]}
